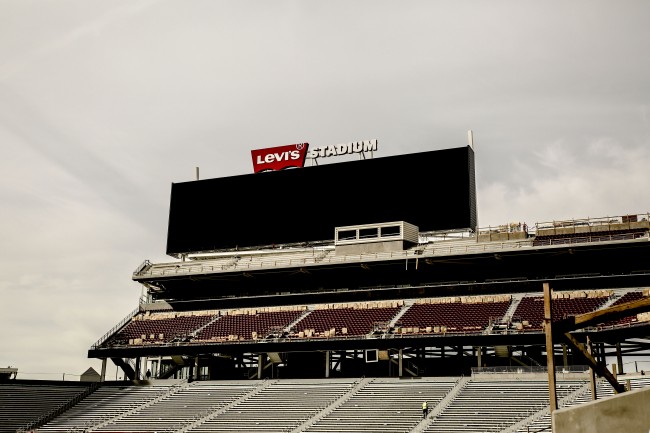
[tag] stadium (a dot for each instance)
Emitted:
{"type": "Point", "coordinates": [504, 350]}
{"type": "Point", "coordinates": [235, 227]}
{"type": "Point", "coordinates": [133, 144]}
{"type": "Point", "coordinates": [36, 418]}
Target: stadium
{"type": "Point", "coordinates": [340, 297]}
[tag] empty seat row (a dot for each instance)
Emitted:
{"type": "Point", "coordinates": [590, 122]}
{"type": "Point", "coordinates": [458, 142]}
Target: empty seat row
{"type": "Point", "coordinates": [460, 314]}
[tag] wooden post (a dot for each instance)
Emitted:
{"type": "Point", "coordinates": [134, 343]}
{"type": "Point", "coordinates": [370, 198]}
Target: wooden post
{"type": "Point", "coordinates": [592, 373]}
{"type": "Point", "coordinates": [550, 353]}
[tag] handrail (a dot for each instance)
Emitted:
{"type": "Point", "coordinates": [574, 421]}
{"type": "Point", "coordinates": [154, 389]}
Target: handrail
{"type": "Point", "coordinates": [208, 266]}
{"type": "Point", "coordinates": [115, 328]}
{"type": "Point", "coordinates": [588, 237]}
{"type": "Point", "coordinates": [58, 410]}
{"type": "Point", "coordinates": [619, 219]}
{"type": "Point", "coordinates": [530, 369]}
{"type": "Point", "coordinates": [528, 430]}
{"type": "Point", "coordinates": [142, 267]}
{"type": "Point", "coordinates": [567, 223]}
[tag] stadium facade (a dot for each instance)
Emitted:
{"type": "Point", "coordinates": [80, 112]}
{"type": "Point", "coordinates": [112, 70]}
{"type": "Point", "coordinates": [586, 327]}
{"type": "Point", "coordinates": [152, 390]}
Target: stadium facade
{"type": "Point", "coordinates": [375, 267]}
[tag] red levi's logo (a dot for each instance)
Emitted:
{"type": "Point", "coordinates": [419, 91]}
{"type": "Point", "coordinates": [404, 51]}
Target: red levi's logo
{"type": "Point", "coordinates": [278, 158]}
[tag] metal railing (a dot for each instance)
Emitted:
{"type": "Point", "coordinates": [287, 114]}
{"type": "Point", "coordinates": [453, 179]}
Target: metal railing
{"type": "Point", "coordinates": [114, 329]}
{"type": "Point", "coordinates": [292, 258]}
{"type": "Point", "coordinates": [208, 266]}
{"type": "Point", "coordinates": [530, 369]}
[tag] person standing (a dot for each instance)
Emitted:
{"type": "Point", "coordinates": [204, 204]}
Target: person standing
{"type": "Point", "coordinates": [425, 410]}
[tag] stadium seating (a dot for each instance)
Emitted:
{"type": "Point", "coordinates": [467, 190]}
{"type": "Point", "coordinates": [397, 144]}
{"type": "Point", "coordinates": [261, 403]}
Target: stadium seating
{"type": "Point", "coordinates": [379, 405]}
{"type": "Point", "coordinates": [461, 314]}
{"type": "Point", "coordinates": [493, 405]}
{"type": "Point", "coordinates": [276, 406]}
{"type": "Point", "coordinates": [355, 319]}
{"type": "Point", "coordinates": [627, 297]}
{"type": "Point", "coordinates": [160, 327]}
{"type": "Point", "coordinates": [106, 404]}
{"type": "Point", "coordinates": [466, 314]}
{"type": "Point", "coordinates": [531, 308]}
{"type": "Point", "coordinates": [21, 403]}
{"type": "Point", "coordinates": [541, 421]}
{"type": "Point", "coordinates": [248, 324]}
{"type": "Point", "coordinates": [385, 405]}
{"type": "Point", "coordinates": [178, 409]}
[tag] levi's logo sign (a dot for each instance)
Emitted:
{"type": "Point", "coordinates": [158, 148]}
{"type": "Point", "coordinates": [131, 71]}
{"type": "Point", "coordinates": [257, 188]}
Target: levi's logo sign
{"type": "Point", "coordinates": [278, 158]}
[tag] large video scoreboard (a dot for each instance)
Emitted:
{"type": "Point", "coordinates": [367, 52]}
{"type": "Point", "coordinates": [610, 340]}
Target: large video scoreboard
{"type": "Point", "coordinates": [432, 190]}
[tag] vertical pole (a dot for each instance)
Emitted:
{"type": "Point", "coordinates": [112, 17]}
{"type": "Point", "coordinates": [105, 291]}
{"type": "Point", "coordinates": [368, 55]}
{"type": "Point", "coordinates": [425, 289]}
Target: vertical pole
{"type": "Point", "coordinates": [102, 378]}
{"type": "Point", "coordinates": [619, 357]}
{"type": "Point", "coordinates": [400, 364]}
{"type": "Point", "coordinates": [479, 352]}
{"type": "Point", "coordinates": [565, 356]}
{"type": "Point", "coordinates": [592, 374]}
{"type": "Point", "coordinates": [550, 353]}
{"type": "Point", "coordinates": [260, 365]}
{"type": "Point", "coordinates": [327, 363]}
{"type": "Point", "coordinates": [137, 368]}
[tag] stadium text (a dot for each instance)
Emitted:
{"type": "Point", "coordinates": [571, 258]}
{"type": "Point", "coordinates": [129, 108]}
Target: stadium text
{"type": "Point", "coordinates": [342, 149]}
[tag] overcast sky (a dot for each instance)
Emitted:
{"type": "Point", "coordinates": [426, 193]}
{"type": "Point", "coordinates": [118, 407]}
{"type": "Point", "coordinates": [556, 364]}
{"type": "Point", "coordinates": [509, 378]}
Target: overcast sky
{"type": "Point", "coordinates": [104, 104]}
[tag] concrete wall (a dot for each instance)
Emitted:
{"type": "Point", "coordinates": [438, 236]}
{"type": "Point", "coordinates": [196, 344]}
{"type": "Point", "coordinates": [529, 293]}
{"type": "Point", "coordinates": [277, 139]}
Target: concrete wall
{"type": "Point", "coordinates": [502, 237]}
{"type": "Point", "coordinates": [627, 412]}
{"type": "Point", "coordinates": [371, 247]}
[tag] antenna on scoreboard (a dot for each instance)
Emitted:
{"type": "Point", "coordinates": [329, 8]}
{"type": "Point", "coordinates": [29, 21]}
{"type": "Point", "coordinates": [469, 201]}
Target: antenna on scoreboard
{"type": "Point", "coordinates": [470, 140]}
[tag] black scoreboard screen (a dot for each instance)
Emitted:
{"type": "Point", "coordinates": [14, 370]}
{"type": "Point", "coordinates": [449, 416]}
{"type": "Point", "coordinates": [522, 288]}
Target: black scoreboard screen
{"type": "Point", "coordinates": [432, 190]}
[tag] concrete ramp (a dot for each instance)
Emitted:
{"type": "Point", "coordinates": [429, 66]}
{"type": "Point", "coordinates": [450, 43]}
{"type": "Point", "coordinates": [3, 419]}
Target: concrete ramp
{"type": "Point", "coordinates": [627, 412]}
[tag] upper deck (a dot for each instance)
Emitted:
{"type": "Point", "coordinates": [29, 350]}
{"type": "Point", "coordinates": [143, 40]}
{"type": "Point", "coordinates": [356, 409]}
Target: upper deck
{"type": "Point", "coordinates": [513, 237]}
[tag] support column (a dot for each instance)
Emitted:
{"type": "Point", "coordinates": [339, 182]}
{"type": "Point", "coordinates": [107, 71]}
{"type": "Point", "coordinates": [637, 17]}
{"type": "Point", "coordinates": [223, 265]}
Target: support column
{"type": "Point", "coordinates": [479, 352]}
{"type": "Point", "coordinates": [565, 356]}
{"type": "Point", "coordinates": [550, 353]}
{"type": "Point", "coordinates": [260, 365]}
{"type": "Point", "coordinates": [102, 377]}
{"type": "Point", "coordinates": [158, 370]}
{"type": "Point", "coordinates": [400, 366]}
{"type": "Point", "coordinates": [619, 358]}
{"type": "Point", "coordinates": [327, 363]}
{"type": "Point", "coordinates": [137, 368]}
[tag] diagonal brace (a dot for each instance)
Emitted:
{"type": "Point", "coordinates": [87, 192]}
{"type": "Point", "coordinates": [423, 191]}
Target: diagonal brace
{"type": "Point", "coordinates": [601, 370]}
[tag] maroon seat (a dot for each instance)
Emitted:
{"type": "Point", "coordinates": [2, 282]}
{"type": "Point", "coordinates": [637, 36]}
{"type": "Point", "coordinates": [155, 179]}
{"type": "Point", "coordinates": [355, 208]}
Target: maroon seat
{"type": "Point", "coordinates": [456, 316]}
